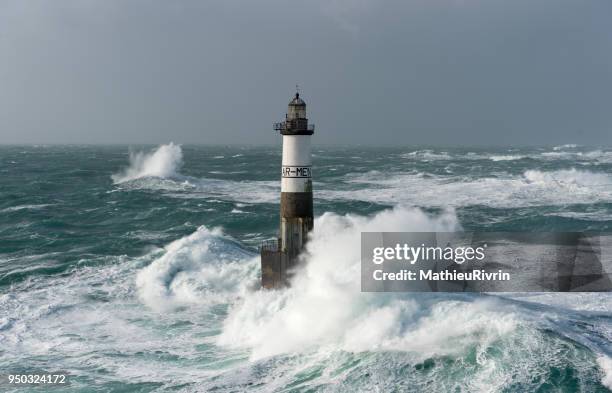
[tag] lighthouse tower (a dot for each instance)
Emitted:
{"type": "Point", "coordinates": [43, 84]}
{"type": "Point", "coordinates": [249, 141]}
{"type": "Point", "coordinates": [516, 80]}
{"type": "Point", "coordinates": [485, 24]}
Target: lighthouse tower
{"type": "Point", "coordinates": [279, 258]}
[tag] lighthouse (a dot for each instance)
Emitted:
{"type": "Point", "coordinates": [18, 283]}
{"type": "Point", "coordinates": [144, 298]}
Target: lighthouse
{"type": "Point", "coordinates": [279, 257]}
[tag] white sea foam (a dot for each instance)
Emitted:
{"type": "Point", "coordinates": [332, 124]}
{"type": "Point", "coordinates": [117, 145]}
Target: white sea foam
{"type": "Point", "coordinates": [532, 188]}
{"type": "Point", "coordinates": [600, 156]}
{"type": "Point", "coordinates": [25, 207]}
{"type": "Point", "coordinates": [256, 191]}
{"type": "Point", "coordinates": [158, 171]}
{"type": "Point", "coordinates": [427, 155]}
{"type": "Point", "coordinates": [324, 312]}
{"type": "Point", "coordinates": [569, 178]}
{"type": "Point", "coordinates": [566, 146]}
{"type": "Point", "coordinates": [93, 310]}
{"type": "Point", "coordinates": [202, 267]}
{"type": "Point", "coordinates": [597, 155]}
{"type": "Point", "coordinates": [324, 305]}
{"type": "Point", "coordinates": [507, 157]}
{"type": "Point", "coordinates": [162, 162]}
{"type": "Point", "coordinates": [565, 153]}
{"type": "Point", "coordinates": [605, 363]}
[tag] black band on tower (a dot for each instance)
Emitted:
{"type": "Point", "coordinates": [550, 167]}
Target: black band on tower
{"type": "Point", "coordinates": [296, 204]}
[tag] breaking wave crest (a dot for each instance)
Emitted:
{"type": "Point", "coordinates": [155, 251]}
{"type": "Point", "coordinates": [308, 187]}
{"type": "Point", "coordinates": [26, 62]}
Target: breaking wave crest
{"type": "Point", "coordinates": [162, 162]}
{"type": "Point", "coordinates": [204, 267]}
{"type": "Point", "coordinates": [324, 305]}
{"type": "Point", "coordinates": [565, 147]}
{"type": "Point", "coordinates": [506, 157]}
{"type": "Point", "coordinates": [326, 320]}
{"type": "Point", "coordinates": [570, 177]}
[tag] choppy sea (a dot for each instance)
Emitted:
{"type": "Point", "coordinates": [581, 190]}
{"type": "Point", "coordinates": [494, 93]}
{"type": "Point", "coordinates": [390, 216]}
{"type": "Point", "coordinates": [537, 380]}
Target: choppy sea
{"type": "Point", "coordinates": [135, 269]}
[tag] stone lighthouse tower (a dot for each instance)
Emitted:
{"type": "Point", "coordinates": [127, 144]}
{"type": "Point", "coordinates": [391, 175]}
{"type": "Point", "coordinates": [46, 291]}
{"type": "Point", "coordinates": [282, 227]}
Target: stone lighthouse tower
{"type": "Point", "coordinates": [278, 258]}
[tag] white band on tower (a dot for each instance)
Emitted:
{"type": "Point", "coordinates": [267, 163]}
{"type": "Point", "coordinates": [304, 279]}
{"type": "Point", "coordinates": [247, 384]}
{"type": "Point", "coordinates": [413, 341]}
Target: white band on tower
{"type": "Point", "coordinates": [296, 172]}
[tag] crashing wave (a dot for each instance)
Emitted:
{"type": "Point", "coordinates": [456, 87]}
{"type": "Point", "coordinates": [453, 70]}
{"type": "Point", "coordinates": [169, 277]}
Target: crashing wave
{"type": "Point", "coordinates": [202, 267]}
{"type": "Point", "coordinates": [324, 305]}
{"type": "Point", "coordinates": [163, 162]}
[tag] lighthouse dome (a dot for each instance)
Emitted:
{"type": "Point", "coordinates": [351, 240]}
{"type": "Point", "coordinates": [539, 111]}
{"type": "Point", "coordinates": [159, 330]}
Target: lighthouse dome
{"type": "Point", "coordinates": [297, 101]}
{"type": "Point", "coordinates": [297, 108]}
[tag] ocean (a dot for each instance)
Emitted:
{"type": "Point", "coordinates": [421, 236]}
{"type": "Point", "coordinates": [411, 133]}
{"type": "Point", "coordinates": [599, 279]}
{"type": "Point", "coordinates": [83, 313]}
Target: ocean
{"type": "Point", "coordinates": [135, 269]}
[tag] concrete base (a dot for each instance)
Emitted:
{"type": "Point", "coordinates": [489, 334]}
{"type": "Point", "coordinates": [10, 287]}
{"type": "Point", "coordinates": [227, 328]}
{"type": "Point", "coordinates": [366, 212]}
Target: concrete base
{"type": "Point", "coordinates": [276, 266]}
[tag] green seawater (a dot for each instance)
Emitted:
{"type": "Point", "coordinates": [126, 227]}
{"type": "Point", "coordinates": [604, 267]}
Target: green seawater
{"type": "Point", "coordinates": [135, 269]}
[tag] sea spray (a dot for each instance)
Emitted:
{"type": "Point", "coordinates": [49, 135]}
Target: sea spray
{"type": "Point", "coordinates": [204, 267]}
{"type": "Point", "coordinates": [605, 363]}
{"type": "Point", "coordinates": [163, 162]}
{"type": "Point", "coordinates": [324, 305]}
{"type": "Point", "coordinates": [456, 339]}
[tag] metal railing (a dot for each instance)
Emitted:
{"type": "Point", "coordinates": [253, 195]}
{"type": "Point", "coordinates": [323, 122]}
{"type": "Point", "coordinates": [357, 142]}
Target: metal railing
{"type": "Point", "coordinates": [283, 126]}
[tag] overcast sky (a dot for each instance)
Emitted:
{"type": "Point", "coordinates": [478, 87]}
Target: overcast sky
{"type": "Point", "coordinates": [443, 72]}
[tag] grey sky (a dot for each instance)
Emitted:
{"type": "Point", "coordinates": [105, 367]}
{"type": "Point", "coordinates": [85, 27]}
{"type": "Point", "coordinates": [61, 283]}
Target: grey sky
{"type": "Point", "coordinates": [441, 72]}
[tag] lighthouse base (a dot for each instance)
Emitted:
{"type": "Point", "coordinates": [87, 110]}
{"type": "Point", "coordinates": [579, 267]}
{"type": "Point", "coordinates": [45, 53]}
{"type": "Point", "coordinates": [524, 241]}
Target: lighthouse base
{"type": "Point", "coordinates": [277, 266]}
